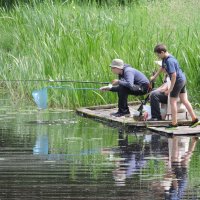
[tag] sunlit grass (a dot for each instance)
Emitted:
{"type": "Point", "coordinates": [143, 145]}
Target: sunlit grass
{"type": "Point", "coordinates": [73, 42]}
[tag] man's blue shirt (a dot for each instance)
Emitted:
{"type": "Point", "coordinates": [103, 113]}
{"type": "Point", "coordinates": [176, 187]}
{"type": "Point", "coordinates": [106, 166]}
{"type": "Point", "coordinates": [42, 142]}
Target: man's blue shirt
{"type": "Point", "coordinates": [132, 76]}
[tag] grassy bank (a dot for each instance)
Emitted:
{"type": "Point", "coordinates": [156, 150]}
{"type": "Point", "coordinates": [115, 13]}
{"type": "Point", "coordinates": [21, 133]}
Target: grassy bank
{"type": "Point", "coordinates": [73, 42]}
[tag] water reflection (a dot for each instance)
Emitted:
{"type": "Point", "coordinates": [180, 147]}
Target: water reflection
{"type": "Point", "coordinates": [172, 155]}
{"type": "Point", "coordinates": [41, 145]}
{"type": "Point", "coordinates": [175, 180]}
{"type": "Point", "coordinates": [130, 158]}
{"type": "Point", "coordinates": [78, 158]}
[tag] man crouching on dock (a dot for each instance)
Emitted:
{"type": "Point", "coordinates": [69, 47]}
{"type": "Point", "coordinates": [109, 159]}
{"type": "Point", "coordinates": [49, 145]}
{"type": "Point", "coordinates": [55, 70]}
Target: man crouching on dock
{"type": "Point", "coordinates": [130, 82]}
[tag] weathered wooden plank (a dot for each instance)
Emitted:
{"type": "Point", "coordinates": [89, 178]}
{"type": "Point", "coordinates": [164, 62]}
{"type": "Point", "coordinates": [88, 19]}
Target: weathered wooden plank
{"type": "Point", "coordinates": [181, 130]}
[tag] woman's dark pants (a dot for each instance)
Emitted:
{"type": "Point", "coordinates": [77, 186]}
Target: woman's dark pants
{"type": "Point", "coordinates": [156, 98]}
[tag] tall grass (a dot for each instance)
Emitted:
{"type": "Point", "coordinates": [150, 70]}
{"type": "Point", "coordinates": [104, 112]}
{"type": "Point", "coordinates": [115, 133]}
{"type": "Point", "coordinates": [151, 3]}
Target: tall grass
{"type": "Point", "coordinates": [73, 42]}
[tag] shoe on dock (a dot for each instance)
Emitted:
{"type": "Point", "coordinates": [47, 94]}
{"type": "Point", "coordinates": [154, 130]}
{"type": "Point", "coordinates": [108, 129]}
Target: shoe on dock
{"type": "Point", "coordinates": [194, 123]}
{"type": "Point", "coordinates": [121, 114]}
{"type": "Point", "coordinates": [171, 126]}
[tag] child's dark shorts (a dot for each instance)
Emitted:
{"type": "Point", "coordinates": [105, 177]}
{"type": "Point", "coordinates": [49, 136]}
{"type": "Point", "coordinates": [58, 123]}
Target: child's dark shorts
{"type": "Point", "coordinates": [179, 87]}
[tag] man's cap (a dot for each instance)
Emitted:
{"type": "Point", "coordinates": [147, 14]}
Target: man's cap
{"type": "Point", "coordinates": [117, 63]}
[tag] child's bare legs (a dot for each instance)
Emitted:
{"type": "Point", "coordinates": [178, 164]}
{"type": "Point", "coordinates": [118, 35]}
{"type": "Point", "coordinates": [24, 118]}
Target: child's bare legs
{"type": "Point", "coordinates": [173, 102]}
{"type": "Point", "coordinates": [184, 100]}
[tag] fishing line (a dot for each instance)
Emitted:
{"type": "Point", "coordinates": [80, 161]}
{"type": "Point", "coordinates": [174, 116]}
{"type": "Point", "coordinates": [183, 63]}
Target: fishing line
{"type": "Point", "coordinates": [51, 80]}
{"type": "Point", "coordinates": [41, 96]}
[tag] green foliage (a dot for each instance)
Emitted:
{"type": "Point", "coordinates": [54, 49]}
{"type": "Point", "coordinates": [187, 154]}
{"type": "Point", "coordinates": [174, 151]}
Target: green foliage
{"type": "Point", "coordinates": [11, 3]}
{"type": "Point", "coordinates": [66, 40]}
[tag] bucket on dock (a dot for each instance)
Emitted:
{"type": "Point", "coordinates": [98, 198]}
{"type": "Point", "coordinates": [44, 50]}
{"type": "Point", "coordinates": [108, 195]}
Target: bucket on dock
{"type": "Point", "coordinates": [147, 110]}
{"type": "Point", "coordinates": [136, 115]}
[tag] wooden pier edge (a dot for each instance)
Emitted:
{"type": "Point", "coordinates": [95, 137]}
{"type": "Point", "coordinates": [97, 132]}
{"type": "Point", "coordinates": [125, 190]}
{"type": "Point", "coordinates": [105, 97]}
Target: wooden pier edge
{"type": "Point", "coordinates": [181, 130]}
{"type": "Point", "coordinates": [89, 114]}
{"type": "Point", "coordinates": [101, 113]}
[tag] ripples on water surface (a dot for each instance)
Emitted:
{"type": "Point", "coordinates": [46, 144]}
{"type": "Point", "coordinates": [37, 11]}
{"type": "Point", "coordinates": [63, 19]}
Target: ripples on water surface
{"type": "Point", "coordinates": [59, 155]}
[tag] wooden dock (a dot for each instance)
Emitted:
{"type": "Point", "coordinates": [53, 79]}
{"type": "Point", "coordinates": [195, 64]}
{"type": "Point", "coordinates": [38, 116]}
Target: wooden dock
{"type": "Point", "coordinates": [102, 113]}
{"type": "Point", "coordinates": [181, 130]}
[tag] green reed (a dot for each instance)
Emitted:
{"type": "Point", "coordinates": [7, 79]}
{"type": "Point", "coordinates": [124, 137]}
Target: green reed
{"type": "Point", "coordinates": [77, 42]}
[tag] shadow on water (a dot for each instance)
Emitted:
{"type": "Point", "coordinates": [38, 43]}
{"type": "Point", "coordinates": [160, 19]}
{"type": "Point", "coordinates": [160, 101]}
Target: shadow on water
{"type": "Point", "coordinates": [59, 155]}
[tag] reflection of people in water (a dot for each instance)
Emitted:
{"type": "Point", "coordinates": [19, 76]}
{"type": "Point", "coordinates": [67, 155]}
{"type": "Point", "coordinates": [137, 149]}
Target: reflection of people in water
{"type": "Point", "coordinates": [130, 159]}
{"type": "Point", "coordinates": [174, 182]}
{"type": "Point", "coordinates": [183, 150]}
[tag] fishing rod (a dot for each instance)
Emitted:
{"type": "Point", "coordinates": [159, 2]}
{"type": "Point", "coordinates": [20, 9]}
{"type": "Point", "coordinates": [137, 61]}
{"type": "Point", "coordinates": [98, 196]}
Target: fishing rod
{"type": "Point", "coordinates": [51, 80]}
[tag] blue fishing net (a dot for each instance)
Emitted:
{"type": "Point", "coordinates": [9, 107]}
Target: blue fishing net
{"type": "Point", "coordinates": [40, 97]}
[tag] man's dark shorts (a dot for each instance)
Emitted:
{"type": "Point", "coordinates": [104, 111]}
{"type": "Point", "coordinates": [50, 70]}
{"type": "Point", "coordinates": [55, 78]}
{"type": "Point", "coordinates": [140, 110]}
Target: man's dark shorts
{"type": "Point", "coordinates": [179, 87]}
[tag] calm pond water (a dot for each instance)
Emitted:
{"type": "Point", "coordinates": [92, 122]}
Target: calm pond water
{"type": "Point", "coordinates": [59, 155]}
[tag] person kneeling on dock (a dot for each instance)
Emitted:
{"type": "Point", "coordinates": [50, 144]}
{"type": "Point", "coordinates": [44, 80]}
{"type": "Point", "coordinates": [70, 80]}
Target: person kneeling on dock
{"type": "Point", "coordinates": [159, 102]}
{"type": "Point", "coordinates": [157, 97]}
{"type": "Point", "coordinates": [130, 82]}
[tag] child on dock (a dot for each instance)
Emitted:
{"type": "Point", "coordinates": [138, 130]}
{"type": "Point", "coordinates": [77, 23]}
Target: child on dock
{"type": "Point", "coordinates": [178, 84]}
